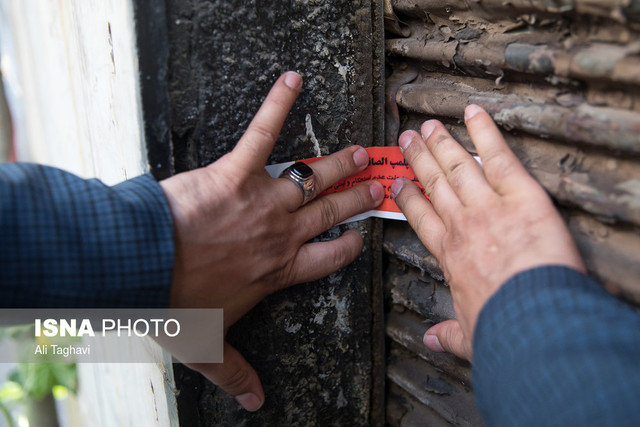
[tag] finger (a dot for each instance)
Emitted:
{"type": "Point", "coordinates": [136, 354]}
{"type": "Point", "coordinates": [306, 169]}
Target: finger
{"type": "Point", "coordinates": [326, 172]}
{"type": "Point", "coordinates": [327, 211]}
{"type": "Point", "coordinates": [420, 214]}
{"type": "Point", "coordinates": [235, 376]}
{"type": "Point", "coordinates": [319, 259]}
{"type": "Point", "coordinates": [429, 173]}
{"type": "Point", "coordinates": [255, 146]}
{"type": "Point", "coordinates": [463, 173]}
{"type": "Point", "coordinates": [447, 337]}
{"type": "Point", "coordinates": [502, 168]}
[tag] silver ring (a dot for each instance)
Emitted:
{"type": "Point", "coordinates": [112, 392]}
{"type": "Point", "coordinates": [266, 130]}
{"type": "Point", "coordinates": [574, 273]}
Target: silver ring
{"type": "Point", "coordinates": [302, 175]}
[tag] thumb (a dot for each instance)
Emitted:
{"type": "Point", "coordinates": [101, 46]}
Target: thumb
{"type": "Point", "coordinates": [447, 337]}
{"type": "Point", "coordinates": [235, 376]}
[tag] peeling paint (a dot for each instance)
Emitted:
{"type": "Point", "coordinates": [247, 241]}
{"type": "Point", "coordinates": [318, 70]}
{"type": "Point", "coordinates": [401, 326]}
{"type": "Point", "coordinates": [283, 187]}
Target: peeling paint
{"type": "Point", "coordinates": [311, 135]}
{"type": "Point", "coordinates": [341, 402]}
{"type": "Point", "coordinates": [292, 329]}
{"type": "Point", "coordinates": [631, 193]}
{"type": "Point", "coordinates": [333, 304]}
{"type": "Point", "coordinates": [343, 70]}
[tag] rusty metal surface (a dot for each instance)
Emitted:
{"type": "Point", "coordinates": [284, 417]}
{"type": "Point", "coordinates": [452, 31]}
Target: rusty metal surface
{"type": "Point", "coordinates": [424, 295]}
{"type": "Point", "coordinates": [617, 10]}
{"type": "Point", "coordinates": [520, 52]}
{"type": "Point", "coordinates": [598, 183]}
{"type": "Point", "coordinates": [406, 328]}
{"type": "Point", "coordinates": [401, 242]}
{"type": "Point", "coordinates": [391, 22]}
{"type": "Point", "coordinates": [605, 127]}
{"type": "Point", "coordinates": [402, 74]}
{"type": "Point", "coordinates": [496, 38]}
{"type": "Point", "coordinates": [433, 388]}
{"type": "Point", "coordinates": [434, 384]}
{"type": "Point", "coordinates": [562, 79]}
{"type": "Point", "coordinates": [611, 254]}
{"type": "Point", "coordinates": [405, 411]}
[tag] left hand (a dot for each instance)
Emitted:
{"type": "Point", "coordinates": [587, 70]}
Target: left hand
{"type": "Point", "coordinates": [483, 224]}
{"type": "Point", "coordinates": [241, 235]}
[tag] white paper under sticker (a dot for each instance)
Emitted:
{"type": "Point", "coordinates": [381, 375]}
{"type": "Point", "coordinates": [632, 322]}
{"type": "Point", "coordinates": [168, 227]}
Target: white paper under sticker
{"type": "Point", "coordinates": [386, 164]}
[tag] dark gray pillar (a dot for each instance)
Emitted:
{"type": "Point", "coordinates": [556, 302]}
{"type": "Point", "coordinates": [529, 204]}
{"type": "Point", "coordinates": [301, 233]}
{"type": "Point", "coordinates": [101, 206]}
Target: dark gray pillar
{"type": "Point", "coordinates": [313, 345]}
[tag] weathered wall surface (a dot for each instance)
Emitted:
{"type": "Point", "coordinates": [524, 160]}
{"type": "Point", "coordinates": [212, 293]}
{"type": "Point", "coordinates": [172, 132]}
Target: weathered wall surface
{"type": "Point", "coordinates": [561, 77]}
{"type": "Point", "coordinates": [226, 54]}
{"type": "Point", "coordinates": [312, 344]}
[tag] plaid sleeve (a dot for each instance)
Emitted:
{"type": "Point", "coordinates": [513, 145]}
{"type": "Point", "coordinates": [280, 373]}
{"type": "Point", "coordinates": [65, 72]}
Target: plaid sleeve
{"type": "Point", "coordinates": [553, 348]}
{"type": "Point", "coordinates": [70, 242]}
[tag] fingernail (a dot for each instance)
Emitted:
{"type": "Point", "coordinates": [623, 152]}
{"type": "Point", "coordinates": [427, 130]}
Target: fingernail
{"type": "Point", "coordinates": [249, 401]}
{"type": "Point", "coordinates": [292, 79]}
{"type": "Point", "coordinates": [396, 187]}
{"type": "Point", "coordinates": [427, 128]}
{"type": "Point", "coordinates": [471, 111]}
{"type": "Point", "coordinates": [361, 157]}
{"type": "Point", "coordinates": [405, 140]}
{"type": "Point", "coordinates": [377, 191]}
{"type": "Point", "coordinates": [433, 343]}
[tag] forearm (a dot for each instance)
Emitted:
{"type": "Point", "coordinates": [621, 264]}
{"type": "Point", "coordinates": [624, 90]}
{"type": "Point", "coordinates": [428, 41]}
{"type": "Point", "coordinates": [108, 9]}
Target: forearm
{"type": "Point", "coordinates": [552, 347]}
{"type": "Point", "coordinates": [69, 242]}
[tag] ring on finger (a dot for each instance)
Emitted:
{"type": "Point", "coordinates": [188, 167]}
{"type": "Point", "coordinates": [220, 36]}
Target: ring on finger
{"type": "Point", "coordinates": [302, 175]}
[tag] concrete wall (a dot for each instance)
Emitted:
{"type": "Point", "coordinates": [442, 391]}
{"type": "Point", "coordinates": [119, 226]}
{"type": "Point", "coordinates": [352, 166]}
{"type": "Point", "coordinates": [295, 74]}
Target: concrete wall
{"type": "Point", "coordinates": [312, 345]}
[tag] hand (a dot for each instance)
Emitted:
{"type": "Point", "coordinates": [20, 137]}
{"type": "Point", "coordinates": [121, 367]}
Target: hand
{"type": "Point", "coordinates": [240, 234]}
{"type": "Point", "coordinates": [483, 224]}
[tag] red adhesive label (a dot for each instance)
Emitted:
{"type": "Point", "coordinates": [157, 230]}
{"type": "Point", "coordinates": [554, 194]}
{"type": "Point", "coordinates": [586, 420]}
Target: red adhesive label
{"type": "Point", "coordinates": [386, 164]}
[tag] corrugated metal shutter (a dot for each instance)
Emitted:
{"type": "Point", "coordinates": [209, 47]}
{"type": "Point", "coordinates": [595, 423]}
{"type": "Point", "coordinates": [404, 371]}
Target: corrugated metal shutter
{"type": "Point", "coordinates": [561, 78]}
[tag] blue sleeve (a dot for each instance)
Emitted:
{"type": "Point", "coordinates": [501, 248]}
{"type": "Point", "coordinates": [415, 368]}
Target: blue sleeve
{"type": "Point", "coordinates": [70, 242]}
{"type": "Point", "coordinates": [552, 347]}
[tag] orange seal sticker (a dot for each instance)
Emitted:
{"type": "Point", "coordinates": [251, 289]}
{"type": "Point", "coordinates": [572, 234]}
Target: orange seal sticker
{"type": "Point", "coordinates": [386, 164]}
